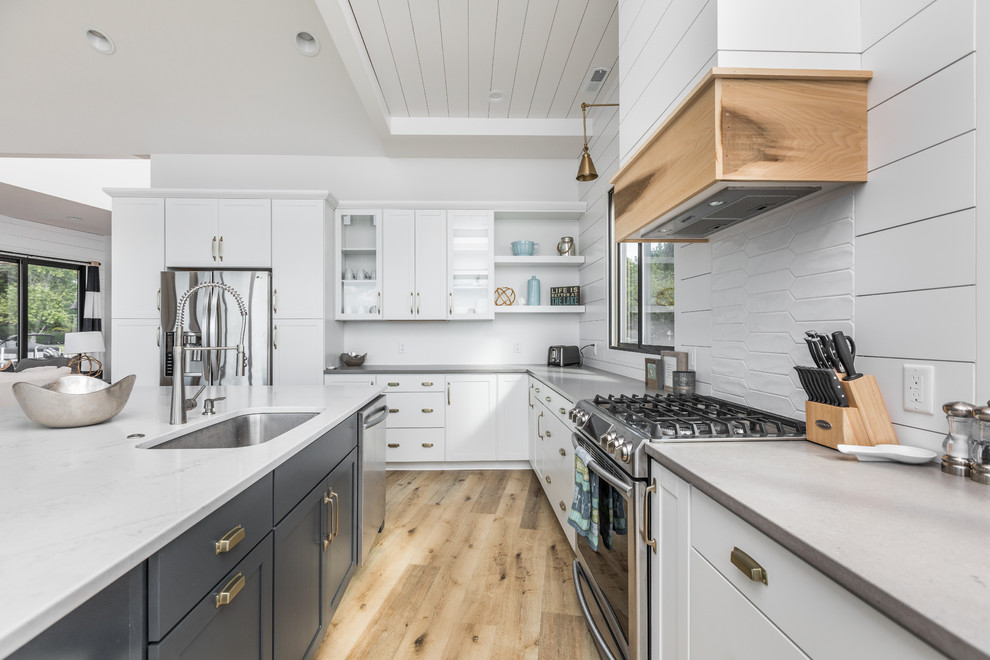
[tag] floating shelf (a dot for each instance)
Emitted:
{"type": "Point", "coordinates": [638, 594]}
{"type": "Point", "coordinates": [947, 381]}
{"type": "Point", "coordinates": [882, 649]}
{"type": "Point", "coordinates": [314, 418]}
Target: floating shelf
{"type": "Point", "coordinates": [539, 309]}
{"type": "Point", "coordinates": [539, 261]}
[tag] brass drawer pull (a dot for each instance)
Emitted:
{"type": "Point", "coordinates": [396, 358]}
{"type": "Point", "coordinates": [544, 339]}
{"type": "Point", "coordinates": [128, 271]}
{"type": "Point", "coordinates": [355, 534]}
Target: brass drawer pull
{"type": "Point", "coordinates": [393, 445]}
{"type": "Point", "coordinates": [393, 410]}
{"type": "Point", "coordinates": [230, 591]}
{"type": "Point", "coordinates": [547, 478]}
{"type": "Point", "coordinates": [548, 399]}
{"type": "Point", "coordinates": [749, 566]}
{"type": "Point", "coordinates": [426, 384]}
{"type": "Point", "coordinates": [562, 451]}
{"type": "Point", "coordinates": [563, 507]}
{"type": "Point", "coordinates": [393, 384]}
{"type": "Point", "coordinates": [427, 444]}
{"type": "Point", "coordinates": [230, 539]}
{"type": "Point", "coordinates": [427, 410]}
{"type": "Point", "coordinates": [547, 433]}
{"type": "Point", "coordinates": [563, 411]}
{"type": "Point", "coordinates": [537, 390]}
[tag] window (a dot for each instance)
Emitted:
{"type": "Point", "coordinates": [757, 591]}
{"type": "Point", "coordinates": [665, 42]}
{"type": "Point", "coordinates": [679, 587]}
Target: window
{"type": "Point", "coordinates": [642, 278]}
{"type": "Point", "coordinates": [39, 303]}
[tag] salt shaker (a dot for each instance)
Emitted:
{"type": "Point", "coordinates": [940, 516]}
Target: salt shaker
{"type": "Point", "coordinates": [979, 446]}
{"type": "Point", "coordinates": [955, 447]}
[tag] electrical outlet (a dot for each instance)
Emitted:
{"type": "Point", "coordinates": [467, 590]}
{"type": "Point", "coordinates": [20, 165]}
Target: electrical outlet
{"type": "Point", "coordinates": [516, 348]}
{"type": "Point", "coordinates": [402, 347]}
{"type": "Point", "coordinates": [919, 388]}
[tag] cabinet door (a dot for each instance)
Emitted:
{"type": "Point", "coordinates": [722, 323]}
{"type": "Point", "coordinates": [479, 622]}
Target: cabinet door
{"type": "Point", "coordinates": [470, 264]}
{"type": "Point", "coordinates": [536, 415]}
{"type": "Point", "coordinates": [341, 555]}
{"type": "Point", "coordinates": [513, 418]}
{"type": "Point", "coordinates": [398, 265]}
{"type": "Point", "coordinates": [297, 259]}
{"type": "Point", "coordinates": [298, 571]}
{"type": "Point", "coordinates": [134, 349]}
{"type": "Point", "coordinates": [297, 351]}
{"type": "Point", "coordinates": [669, 502]}
{"type": "Point", "coordinates": [245, 233]}
{"type": "Point", "coordinates": [192, 233]}
{"type": "Point", "coordinates": [358, 273]}
{"type": "Point", "coordinates": [242, 628]}
{"type": "Point", "coordinates": [471, 429]}
{"type": "Point", "coordinates": [137, 252]}
{"type": "Point", "coordinates": [431, 265]}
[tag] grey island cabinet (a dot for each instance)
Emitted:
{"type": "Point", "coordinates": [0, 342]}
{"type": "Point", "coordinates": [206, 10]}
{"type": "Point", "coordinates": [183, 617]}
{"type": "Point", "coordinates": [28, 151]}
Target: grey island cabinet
{"type": "Point", "coordinates": [260, 577]}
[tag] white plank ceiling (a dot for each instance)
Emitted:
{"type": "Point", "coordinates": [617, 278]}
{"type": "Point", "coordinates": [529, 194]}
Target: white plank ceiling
{"type": "Point", "coordinates": [443, 58]}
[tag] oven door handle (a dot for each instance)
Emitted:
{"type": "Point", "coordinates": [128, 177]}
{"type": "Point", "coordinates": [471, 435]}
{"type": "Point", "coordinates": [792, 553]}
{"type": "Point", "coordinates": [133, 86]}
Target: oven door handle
{"type": "Point", "coordinates": [624, 488]}
{"type": "Point", "coordinates": [599, 639]}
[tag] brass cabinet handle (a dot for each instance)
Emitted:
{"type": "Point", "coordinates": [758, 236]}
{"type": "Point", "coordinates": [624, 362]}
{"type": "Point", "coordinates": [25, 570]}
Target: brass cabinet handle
{"type": "Point", "coordinates": [393, 410]}
{"type": "Point", "coordinates": [427, 410]}
{"type": "Point", "coordinates": [393, 445]}
{"type": "Point", "coordinates": [427, 444]}
{"type": "Point", "coordinates": [328, 500]}
{"type": "Point", "coordinates": [220, 249]}
{"type": "Point", "coordinates": [213, 248]}
{"type": "Point", "coordinates": [230, 590]}
{"type": "Point", "coordinates": [336, 513]}
{"type": "Point", "coordinates": [652, 488]}
{"type": "Point", "coordinates": [749, 566]}
{"type": "Point", "coordinates": [562, 451]}
{"type": "Point", "coordinates": [547, 478]}
{"type": "Point", "coordinates": [275, 301]}
{"type": "Point", "coordinates": [563, 507]}
{"type": "Point", "coordinates": [427, 383]}
{"type": "Point", "coordinates": [563, 411]}
{"type": "Point", "coordinates": [538, 433]}
{"type": "Point", "coordinates": [537, 390]}
{"type": "Point", "coordinates": [529, 396]}
{"type": "Point", "coordinates": [230, 539]}
{"type": "Point", "coordinates": [393, 384]}
{"type": "Point", "coordinates": [275, 337]}
{"type": "Point", "coordinates": [547, 433]}
{"type": "Point", "coordinates": [548, 399]}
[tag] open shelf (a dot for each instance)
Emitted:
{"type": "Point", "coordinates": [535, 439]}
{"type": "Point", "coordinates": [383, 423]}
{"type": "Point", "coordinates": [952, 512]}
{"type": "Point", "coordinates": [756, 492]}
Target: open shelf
{"type": "Point", "coordinates": [539, 261]}
{"type": "Point", "coordinates": [539, 309]}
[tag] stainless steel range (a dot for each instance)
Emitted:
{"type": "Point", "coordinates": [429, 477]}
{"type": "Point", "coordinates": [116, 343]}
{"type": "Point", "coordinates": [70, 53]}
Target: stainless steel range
{"type": "Point", "coordinates": [611, 582]}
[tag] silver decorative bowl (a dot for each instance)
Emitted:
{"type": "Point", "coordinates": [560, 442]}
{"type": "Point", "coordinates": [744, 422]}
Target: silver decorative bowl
{"type": "Point", "coordinates": [73, 400]}
{"type": "Point", "coordinates": [352, 359]}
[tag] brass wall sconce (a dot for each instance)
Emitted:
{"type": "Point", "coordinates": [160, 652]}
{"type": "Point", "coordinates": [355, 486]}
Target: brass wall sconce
{"type": "Point", "coordinates": [586, 169]}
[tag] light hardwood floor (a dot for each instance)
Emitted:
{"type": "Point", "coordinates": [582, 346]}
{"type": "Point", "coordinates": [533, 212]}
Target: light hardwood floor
{"type": "Point", "coordinates": [473, 565]}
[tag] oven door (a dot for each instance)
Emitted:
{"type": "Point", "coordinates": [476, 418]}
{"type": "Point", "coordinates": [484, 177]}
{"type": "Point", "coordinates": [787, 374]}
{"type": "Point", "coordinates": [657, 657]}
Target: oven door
{"type": "Point", "coordinates": [611, 584]}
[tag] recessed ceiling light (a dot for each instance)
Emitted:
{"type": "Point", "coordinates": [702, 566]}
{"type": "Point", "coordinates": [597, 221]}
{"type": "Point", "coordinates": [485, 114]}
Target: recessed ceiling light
{"type": "Point", "coordinates": [496, 95]}
{"type": "Point", "coordinates": [74, 218]}
{"type": "Point", "coordinates": [100, 42]}
{"type": "Point", "coordinates": [717, 202]}
{"type": "Point", "coordinates": [307, 44]}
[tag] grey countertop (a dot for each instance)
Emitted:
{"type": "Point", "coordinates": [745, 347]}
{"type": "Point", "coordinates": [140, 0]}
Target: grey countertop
{"type": "Point", "coordinates": [907, 539]}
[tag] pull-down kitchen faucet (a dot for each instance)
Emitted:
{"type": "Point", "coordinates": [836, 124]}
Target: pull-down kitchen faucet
{"type": "Point", "coordinates": [179, 402]}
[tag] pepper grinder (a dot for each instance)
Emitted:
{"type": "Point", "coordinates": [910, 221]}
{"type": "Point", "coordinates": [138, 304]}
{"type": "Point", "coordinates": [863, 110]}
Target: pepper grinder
{"type": "Point", "coordinates": [955, 447]}
{"type": "Point", "coordinates": [979, 446]}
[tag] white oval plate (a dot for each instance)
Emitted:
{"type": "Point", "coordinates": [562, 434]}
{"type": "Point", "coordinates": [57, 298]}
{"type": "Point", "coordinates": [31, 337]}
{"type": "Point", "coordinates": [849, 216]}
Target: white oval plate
{"type": "Point", "coordinates": [899, 453]}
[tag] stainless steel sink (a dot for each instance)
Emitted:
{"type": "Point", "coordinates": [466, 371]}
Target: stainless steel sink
{"type": "Point", "coordinates": [240, 431]}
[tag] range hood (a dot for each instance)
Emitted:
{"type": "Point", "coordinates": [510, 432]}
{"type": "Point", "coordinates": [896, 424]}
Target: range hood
{"type": "Point", "coordinates": [743, 143]}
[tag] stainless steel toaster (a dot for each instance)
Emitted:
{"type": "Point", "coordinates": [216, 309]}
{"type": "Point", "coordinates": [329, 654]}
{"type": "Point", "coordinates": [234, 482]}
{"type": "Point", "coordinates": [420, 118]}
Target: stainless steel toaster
{"type": "Point", "coordinates": [563, 356]}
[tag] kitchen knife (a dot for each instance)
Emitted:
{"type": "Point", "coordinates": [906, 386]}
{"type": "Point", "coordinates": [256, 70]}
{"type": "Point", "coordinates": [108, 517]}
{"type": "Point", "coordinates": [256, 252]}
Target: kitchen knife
{"type": "Point", "coordinates": [803, 377]}
{"type": "Point", "coordinates": [838, 395]}
{"type": "Point", "coordinates": [815, 348]}
{"type": "Point", "coordinates": [828, 350]}
{"type": "Point", "coordinates": [845, 349]}
{"type": "Point", "coordinates": [821, 380]}
{"type": "Point", "coordinates": [816, 390]}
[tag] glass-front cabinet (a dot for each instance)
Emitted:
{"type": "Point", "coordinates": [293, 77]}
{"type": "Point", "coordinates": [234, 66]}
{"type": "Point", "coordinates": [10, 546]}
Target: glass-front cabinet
{"type": "Point", "coordinates": [470, 260]}
{"type": "Point", "coordinates": [358, 237]}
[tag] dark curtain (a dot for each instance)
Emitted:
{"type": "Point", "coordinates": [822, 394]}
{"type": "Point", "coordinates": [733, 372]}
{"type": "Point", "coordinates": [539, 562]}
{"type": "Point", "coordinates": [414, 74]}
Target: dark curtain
{"type": "Point", "coordinates": [92, 318]}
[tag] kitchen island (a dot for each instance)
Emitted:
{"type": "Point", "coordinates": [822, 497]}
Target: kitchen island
{"type": "Point", "coordinates": [82, 507]}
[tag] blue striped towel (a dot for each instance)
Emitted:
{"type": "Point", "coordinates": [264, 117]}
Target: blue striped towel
{"type": "Point", "coordinates": [584, 509]}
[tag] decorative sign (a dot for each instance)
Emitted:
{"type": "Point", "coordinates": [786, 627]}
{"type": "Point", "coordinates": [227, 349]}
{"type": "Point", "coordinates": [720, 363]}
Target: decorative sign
{"type": "Point", "coordinates": [672, 361]}
{"type": "Point", "coordinates": [565, 295]}
{"type": "Point", "coordinates": [653, 381]}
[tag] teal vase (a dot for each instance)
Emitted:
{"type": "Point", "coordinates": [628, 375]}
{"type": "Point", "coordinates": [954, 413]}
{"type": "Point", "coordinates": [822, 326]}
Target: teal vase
{"type": "Point", "coordinates": [533, 291]}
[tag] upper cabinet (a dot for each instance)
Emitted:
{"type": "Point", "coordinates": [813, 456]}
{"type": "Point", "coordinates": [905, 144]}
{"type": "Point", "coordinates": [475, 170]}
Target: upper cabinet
{"type": "Point", "coordinates": [358, 272]}
{"type": "Point", "coordinates": [414, 265]}
{"type": "Point", "coordinates": [137, 252]}
{"type": "Point", "coordinates": [743, 142]}
{"type": "Point", "coordinates": [297, 258]}
{"type": "Point", "coordinates": [470, 256]}
{"type": "Point", "coordinates": [217, 233]}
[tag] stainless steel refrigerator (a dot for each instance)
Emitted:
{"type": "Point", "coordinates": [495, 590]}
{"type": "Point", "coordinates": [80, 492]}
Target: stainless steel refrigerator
{"type": "Point", "coordinates": [213, 318]}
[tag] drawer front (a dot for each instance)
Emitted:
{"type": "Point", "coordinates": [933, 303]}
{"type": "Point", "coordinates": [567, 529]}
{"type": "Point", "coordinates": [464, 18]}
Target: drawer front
{"type": "Point", "coordinates": [181, 572]}
{"type": "Point", "coordinates": [415, 409]}
{"type": "Point", "coordinates": [412, 382]}
{"type": "Point", "coordinates": [558, 404]}
{"type": "Point", "coordinates": [345, 379]}
{"type": "Point", "coordinates": [414, 445]}
{"type": "Point", "coordinates": [241, 628]}
{"type": "Point", "coordinates": [791, 585]}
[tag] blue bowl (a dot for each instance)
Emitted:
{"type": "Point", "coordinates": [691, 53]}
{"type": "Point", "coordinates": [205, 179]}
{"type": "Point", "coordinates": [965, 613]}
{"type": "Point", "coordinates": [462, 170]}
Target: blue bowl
{"type": "Point", "coordinates": [523, 248]}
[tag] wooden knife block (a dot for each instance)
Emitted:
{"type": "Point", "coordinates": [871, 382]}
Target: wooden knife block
{"type": "Point", "coordinates": [864, 422]}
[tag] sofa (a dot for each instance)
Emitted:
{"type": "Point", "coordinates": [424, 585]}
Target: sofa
{"type": "Point", "coordinates": [35, 375]}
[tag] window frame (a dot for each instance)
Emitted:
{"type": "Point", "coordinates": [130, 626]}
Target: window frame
{"type": "Point", "coordinates": [23, 262]}
{"type": "Point", "coordinates": [615, 263]}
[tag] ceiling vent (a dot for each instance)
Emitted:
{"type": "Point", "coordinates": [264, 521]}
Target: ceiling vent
{"type": "Point", "coordinates": [596, 79]}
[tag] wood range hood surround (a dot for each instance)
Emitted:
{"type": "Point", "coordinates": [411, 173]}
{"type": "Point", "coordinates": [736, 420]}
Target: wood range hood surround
{"type": "Point", "coordinates": [743, 142]}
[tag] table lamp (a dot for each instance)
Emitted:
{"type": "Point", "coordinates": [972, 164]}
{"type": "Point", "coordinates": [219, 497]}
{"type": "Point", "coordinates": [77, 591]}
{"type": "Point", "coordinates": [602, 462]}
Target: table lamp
{"type": "Point", "coordinates": [81, 344]}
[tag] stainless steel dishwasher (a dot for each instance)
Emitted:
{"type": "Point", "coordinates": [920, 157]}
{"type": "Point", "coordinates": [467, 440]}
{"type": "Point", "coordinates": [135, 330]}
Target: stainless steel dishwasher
{"type": "Point", "coordinates": [371, 456]}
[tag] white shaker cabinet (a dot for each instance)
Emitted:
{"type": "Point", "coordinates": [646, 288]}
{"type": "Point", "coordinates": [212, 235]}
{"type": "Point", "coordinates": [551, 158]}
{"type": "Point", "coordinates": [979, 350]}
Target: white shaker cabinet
{"type": "Point", "coordinates": [470, 420]}
{"type": "Point", "coordinates": [414, 265]}
{"type": "Point", "coordinates": [358, 265]}
{"type": "Point", "coordinates": [218, 233]}
{"type": "Point", "coordinates": [297, 352]}
{"type": "Point", "coordinates": [137, 256]}
{"type": "Point", "coordinates": [513, 418]}
{"type": "Point", "coordinates": [470, 262]}
{"type": "Point", "coordinates": [297, 258]}
{"type": "Point", "coordinates": [135, 350]}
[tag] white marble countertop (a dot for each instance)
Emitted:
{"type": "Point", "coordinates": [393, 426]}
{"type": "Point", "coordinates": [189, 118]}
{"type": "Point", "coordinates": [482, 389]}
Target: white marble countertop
{"type": "Point", "coordinates": [907, 539]}
{"type": "Point", "coordinates": [81, 507]}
